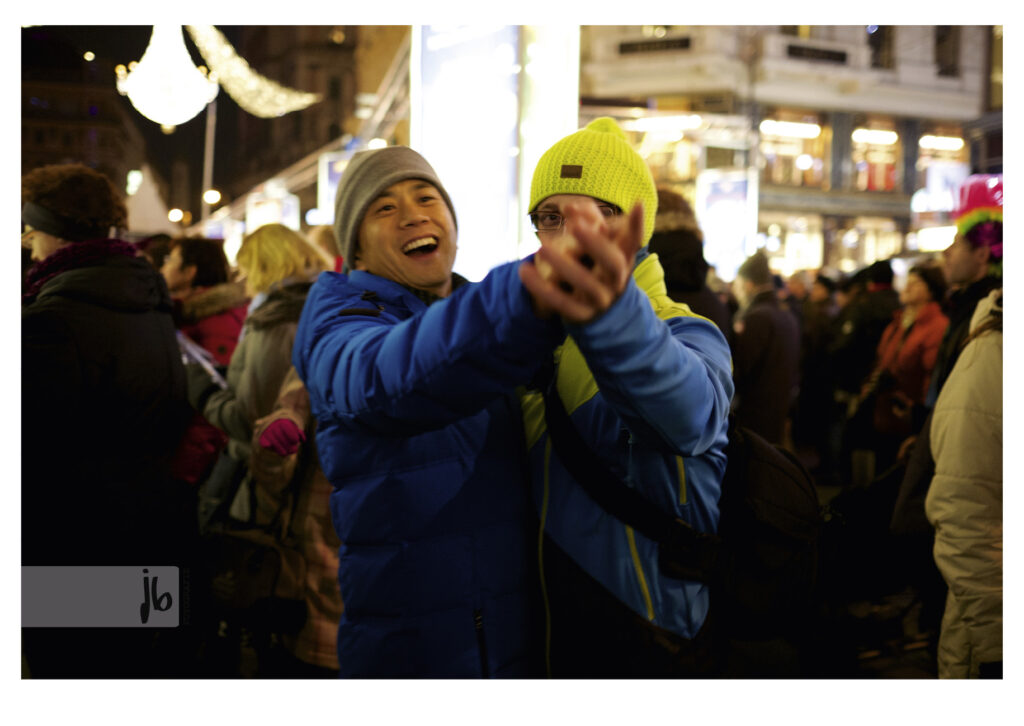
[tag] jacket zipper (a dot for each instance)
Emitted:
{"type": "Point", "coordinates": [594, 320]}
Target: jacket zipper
{"type": "Point", "coordinates": [478, 624]}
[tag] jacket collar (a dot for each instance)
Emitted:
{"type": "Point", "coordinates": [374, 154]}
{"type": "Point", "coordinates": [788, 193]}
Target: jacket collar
{"type": "Point", "coordinates": [391, 291]}
{"type": "Point", "coordinates": [650, 276]}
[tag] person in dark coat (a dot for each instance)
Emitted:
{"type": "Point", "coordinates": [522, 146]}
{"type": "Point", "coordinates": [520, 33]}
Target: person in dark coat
{"type": "Point", "coordinates": [679, 244]}
{"type": "Point", "coordinates": [766, 353]}
{"type": "Point", "coordinates": [816, 408]}
{"type": "Point", "coordinates": [103, 388]}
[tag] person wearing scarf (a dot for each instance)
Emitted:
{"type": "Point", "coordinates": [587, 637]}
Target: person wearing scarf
{"type": "Point", "coordinates": [103, 407]}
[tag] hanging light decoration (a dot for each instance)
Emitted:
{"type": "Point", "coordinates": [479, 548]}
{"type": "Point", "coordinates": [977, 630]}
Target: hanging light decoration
{"type": "Point", "coordinates": [165, 86]}
{"type": "Point", "coordinates": [256, 94]}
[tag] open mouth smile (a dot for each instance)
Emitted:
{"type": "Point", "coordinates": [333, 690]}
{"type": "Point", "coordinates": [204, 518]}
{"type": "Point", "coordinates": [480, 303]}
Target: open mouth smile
{"type": "Point", "coordinates": [421, 246]}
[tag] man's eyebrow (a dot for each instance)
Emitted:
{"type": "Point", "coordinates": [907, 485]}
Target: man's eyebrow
{"type": "Point", "coordinates": [548, 206]}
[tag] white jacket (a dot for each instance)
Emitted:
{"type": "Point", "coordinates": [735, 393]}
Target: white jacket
{"type": "Point", "coordinates": [965, 501]}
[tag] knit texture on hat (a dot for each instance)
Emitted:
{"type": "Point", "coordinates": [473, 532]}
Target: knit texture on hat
{"type": "Point", "coordinates": [597, 161]}
{"type": "Point", "coordinates": [367, 175]}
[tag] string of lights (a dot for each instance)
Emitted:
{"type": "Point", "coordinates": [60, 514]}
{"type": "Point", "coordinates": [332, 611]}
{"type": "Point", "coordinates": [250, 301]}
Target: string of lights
{"type": "Point", "coordinates": [256, 94]}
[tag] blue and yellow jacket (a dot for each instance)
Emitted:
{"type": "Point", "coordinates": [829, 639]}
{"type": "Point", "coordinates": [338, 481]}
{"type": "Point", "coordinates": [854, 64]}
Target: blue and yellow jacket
{"type": "Point", "coordinates": [420, 434]}
{"type": "Point", "coordinates": [648, 385]}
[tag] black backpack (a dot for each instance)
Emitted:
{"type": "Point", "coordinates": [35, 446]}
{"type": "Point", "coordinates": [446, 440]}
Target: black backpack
{"type": "Point", "coordinates": [762, 565]}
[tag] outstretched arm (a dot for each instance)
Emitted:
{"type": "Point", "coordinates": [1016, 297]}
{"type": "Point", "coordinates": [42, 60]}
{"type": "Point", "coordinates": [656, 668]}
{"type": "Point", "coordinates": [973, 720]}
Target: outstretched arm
{"type": "Point", "coordinates": [365, 368]}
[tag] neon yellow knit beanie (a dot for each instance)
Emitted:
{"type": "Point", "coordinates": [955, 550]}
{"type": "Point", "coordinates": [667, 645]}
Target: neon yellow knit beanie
{"type": "Point", "coordinates": [597, 161]}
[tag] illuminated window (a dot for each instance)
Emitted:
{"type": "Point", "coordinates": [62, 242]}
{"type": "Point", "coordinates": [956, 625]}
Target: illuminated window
{"type": "Point", "coordinates": [794, 150]}
{"type": "Point", "coordinates": [877, 150]}
{"type": "Point", "coordinates": [941, 150]}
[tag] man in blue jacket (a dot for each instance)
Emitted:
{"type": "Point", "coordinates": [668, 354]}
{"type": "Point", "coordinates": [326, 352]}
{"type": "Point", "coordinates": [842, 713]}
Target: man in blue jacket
{"type": "Point", "coordinates": [647, 383]}
{"type": "Point", "coordinates": [411, 374]}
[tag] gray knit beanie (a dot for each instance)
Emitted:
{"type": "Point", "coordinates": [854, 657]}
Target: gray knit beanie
{"type": "Point", "coordinates": [367, 175]}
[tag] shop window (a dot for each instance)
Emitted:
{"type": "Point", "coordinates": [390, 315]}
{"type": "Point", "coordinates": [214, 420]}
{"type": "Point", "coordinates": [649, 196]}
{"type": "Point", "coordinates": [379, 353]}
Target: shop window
{"type": "Point", "coordinates": [876, 152]}
{"type": "Point", "coordinates": [794, 150]}
{"type": "Point", "coordinates": [880, 39]}
{"type": "Point", "coordinates": [947, 50]}
{"type": "Point", "coordinates": [942, 154]}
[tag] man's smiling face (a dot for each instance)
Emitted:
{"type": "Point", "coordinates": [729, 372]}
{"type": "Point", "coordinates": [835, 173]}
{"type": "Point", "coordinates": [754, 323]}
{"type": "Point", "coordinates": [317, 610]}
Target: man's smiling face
{"type": "Point", "coordinates": [408, 235]}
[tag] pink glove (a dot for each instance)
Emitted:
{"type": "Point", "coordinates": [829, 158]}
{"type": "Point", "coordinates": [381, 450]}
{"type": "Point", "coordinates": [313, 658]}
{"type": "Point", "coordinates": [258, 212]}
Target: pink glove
{"type": "Point", "coordinates": [282, 436]}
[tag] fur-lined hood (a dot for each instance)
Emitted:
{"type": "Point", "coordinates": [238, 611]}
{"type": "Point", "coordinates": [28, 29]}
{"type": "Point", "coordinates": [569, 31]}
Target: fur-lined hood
{"type": "Point", "coordinates": [213, 300]}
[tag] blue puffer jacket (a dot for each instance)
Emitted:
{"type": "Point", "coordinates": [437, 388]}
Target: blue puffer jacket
{"type": "Point", "coordinates": [421, 436]}
{"type": "Point", "coordinates": [648, 386]}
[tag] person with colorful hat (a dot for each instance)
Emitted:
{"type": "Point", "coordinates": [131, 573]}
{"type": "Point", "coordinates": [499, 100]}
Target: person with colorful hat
{"type": "Point", "coordinates": [648, 385]}
{"type": "Point", "coordinates": [973, 267]}
{"type": "Point", "coordinates": [411, 372]}
{"type": "Point", "coordinates": [973, 264]}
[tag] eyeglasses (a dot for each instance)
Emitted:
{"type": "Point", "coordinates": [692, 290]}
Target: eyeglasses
{"type": "Point", "coordinates": [549, 221]}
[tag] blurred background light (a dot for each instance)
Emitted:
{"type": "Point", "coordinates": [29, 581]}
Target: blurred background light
{"type": "Point", "coordinates": [880, 137]}
{"type": "Point", "coordinates": [165, 86]}
{"type": "Point", "coordinates": [790, 129]}
{"type": "Point", "coordinates": [941, 143]}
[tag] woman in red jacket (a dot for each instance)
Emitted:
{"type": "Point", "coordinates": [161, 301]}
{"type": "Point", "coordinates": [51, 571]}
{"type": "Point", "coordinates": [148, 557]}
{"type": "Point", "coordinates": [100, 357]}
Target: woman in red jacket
{"type": "Point", "coordinates": [904, 362]}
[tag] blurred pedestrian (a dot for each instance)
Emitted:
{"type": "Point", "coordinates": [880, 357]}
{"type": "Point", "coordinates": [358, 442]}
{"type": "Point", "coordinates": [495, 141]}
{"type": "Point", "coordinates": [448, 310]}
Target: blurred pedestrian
{"type": "Point", "coordinates": [323, 238]}
{"type": "Point", "coordinates": [965, 499]}
{"type": "Point", "coordinates": [209, 307]}
{"type": "Point", "coordinates": [815, 407]}
{"type": "Point", "coordinates": [209, 310]}
{"type": "Point", "coordinates": [766, 353]}
{"type": "Point", "coordinates": [155, 248]}
{"type": "Point", "coordinates": [278, 266]}
{"type": "Point", "coordinates": [678, 242]}
{"type": "Point", "coordinates": [104, 406]}
{"type": "Point", "coordinates": [903, 367]}
{"type": "Point", "coordinates": [287, 478]}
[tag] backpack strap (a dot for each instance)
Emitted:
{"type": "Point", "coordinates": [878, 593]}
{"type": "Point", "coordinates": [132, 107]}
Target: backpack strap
{"type": "Point", "coordinates": [683, 551]}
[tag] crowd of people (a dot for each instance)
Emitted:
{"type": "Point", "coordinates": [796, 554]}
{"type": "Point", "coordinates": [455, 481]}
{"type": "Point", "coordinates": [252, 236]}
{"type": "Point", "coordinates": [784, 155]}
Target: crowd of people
{"type": "Point", "coordinates": [346, 448]}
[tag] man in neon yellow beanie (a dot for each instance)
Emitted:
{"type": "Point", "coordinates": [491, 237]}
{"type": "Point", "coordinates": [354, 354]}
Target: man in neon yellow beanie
{"type": "Point", "coordinates": [648, 385]}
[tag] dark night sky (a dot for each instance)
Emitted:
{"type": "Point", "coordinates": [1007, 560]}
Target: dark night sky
{"type": "Point", "coordinates": [49, 48]}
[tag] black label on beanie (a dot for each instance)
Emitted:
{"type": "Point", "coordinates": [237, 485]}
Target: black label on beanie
{"type": "Point", "coordinates": [572, 171]}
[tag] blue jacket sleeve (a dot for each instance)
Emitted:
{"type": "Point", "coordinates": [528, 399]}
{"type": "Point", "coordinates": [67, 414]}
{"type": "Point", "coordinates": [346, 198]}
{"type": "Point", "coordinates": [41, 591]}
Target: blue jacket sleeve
{"type": "Point", "coordinates": [670, 380]}
{"type": "Point", "coordinates": [379, 373]}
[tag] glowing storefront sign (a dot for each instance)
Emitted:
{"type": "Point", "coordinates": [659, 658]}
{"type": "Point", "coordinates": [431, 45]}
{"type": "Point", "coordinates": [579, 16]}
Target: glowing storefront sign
{"type": "Point", "coordinates": [726, 210]}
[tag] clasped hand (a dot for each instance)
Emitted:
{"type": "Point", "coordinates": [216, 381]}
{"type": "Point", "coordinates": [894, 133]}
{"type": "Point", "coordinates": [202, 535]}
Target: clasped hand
{"type": "Point", "coordinates": [579, 272]}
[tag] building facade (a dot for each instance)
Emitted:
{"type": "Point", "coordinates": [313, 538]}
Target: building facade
{"type": "Point", "coordinates": [840, 128]}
